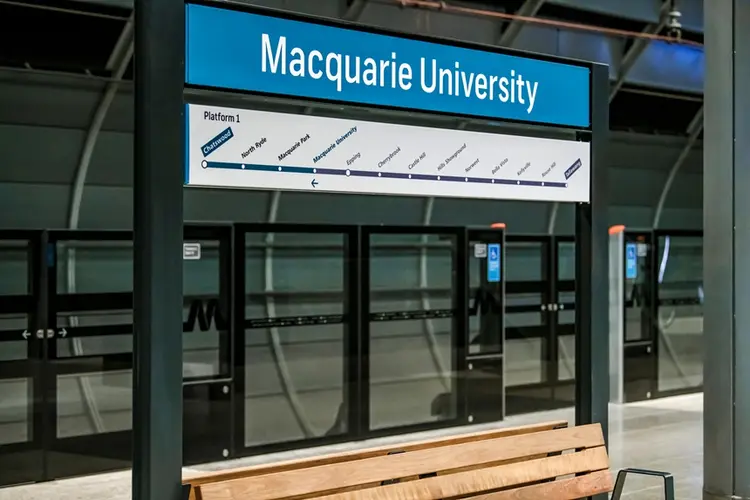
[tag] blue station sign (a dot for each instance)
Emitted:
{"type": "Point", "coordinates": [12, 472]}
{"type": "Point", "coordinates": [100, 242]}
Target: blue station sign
{"type": "Point", "coordinates": [250, 52]}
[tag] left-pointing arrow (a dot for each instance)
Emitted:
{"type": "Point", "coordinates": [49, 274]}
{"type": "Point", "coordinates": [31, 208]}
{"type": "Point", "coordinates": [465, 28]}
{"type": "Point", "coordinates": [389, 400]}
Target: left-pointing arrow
{"type": "Point", "coordinates": [314, 183]}
{"type": "Point", "coordinates": [25, 334]}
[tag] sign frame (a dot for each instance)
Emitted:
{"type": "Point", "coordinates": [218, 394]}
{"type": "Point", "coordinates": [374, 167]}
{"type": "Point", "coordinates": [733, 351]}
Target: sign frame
{"type": "Point", "coordinates": [351, 26]}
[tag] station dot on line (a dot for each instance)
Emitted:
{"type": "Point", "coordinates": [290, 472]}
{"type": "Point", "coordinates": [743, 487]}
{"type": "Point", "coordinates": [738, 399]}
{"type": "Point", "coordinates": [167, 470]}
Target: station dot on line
{"type": "Point", "coordinates": [348, 172]}
{"type": "Point", "coordinates": [379, 174]}
{"type": "Point", "coordinates": [204, 163]}
{"type": "Point", "coordinates": [279, 169]}
{"type": "Point", "coordinates": [315, 170]}
{"type": "Point", "coordinates": [243, 165]}
{"type": "Point", "coordinates": [438, 177]}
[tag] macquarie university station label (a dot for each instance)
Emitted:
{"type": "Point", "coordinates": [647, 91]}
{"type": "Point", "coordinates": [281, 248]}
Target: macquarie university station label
{"type": "Point", "coordinates": [230, 49]}
{"type": "Point", "coordinates": [256, 51]}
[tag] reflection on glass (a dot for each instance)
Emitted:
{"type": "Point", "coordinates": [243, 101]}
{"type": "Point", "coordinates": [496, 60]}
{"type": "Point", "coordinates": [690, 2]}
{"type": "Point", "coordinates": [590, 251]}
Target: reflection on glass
{"type": "Point", "coordinates": [525, 323]}
{"type": "Point", "coordinates": [566, 260]}
{"type": "Point", "coordinates": [680, 312]}
{"type": "Point", "coordinates": [294, 378]}
{"type": "Point", "coordinates": [566, 317]}
{"type": "Point", "coordinates": [94, 266]}
{"type": "Point", "coordinates": [412, 379]}
{"type": "Point", "coordinates": [94, 403]}
{"type": "Point", "coordinates": [14, 268]}
{"type": "Point", "coordinates": [523, 261]}
{"type": "Point", "coordinates": [201, 287]}
{"type": "Point", "coordinates": [13, 346]}
{"type": "Point", "coordinates": [14, 410]}
{"type": "Point", "coordinates": [16, 391]}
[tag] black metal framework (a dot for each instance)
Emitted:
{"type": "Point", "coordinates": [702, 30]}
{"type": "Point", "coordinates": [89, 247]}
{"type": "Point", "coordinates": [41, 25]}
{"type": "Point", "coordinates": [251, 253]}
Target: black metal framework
{"type": "Point", "coordinates": [645, 344]}
{"type": "Point", "coordinates": [159, 55]}
{"type": "Point", "coordinates": [22, 458]}
{"type": "Point", "coordinates": [592, 267]}
{"type": "Point", "coordinates": [449, 407]}
{"type": "Point", "coordinates": [357, 248]}
{"type": "Point", "coordinates": [622, 475]}
{"type": "Point", "coordinates": [546, 299]}
{"type": "Point", "coordinates": [79, 307]}
{"type": "Point", "coordinates": [346, 420]}
{"type": "Point", "coordinates": [79, 335]}
{"type": "Point", "coordinates": [340, 23]}
{"type": "Point", "coordinates": [484, 362]}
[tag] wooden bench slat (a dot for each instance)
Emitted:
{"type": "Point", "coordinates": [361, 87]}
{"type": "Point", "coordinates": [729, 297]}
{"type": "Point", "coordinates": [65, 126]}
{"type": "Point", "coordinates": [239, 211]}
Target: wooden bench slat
{"type": "Point", "coordinates": [304, 463]}
{"type": "Point", "coordinates": [343, 476]}
{"type": "Point", "coordinates": [567, 489]}
{"type": "Point", "coordinates": [477, 481]}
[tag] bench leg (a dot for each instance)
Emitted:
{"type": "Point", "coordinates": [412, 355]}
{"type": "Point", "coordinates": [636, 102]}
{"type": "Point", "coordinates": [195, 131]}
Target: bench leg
{"type": "Point", "coordinates": [622, 475]}
{"type": "Point", "coordinates": [186, 492]}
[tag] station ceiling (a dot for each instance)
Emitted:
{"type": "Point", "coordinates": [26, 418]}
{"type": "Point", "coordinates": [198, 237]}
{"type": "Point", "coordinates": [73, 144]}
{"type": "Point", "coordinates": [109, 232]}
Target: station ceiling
{"type": "Point", "coordinates": [657, 84]}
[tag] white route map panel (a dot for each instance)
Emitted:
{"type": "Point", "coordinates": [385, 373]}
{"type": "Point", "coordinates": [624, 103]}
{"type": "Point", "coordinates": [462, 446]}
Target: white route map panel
{"type": "Point", "coordinates": [245, 149]}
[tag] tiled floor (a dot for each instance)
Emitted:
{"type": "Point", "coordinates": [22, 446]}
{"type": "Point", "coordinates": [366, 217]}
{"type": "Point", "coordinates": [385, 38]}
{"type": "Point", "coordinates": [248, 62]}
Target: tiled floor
{"type": "Point", "coordinates": [664, 434]}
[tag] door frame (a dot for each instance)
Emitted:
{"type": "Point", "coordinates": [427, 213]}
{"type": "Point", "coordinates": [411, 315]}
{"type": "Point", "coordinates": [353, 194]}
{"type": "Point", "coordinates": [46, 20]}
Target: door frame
{"type": "Point", "coordinates": [31, 368]}
{"type": "Point", "coordinates": [350, 319]}
{"type": "Point", "coordinates": [656, 235]}
{"type": "Point", "coordinates": [458, 314]}
{"type": "Point", "coordinates": [486, 361]}
{"type": "Point", "coordinates": [548, 287]}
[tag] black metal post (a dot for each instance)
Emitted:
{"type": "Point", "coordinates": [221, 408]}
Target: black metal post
{"type": "Point", "coordinates": [592, 271]}
{"type": "Point", "coordinates": [158, 222]}
{"type": "Point", "coordinates": [726, 245]}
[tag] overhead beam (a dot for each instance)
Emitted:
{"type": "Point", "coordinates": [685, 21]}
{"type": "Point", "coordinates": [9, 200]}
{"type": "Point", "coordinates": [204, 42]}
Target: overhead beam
{"type": "Point", "coordinates": [636, 50]}
{"type": "Point", "coordinates": [530, 8]}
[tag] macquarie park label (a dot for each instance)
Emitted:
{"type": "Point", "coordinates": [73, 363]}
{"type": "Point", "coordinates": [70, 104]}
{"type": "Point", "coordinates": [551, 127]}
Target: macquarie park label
{"type": "Point", "coordinates": [236, 50]}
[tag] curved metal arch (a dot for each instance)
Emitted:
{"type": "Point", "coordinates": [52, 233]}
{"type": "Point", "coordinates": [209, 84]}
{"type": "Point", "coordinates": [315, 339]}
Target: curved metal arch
{"type": "Point", "coordinates": [118, 61]}
{"type": "Point", "coordinates": [427, 324]}
{"type": "Point", "coordinates": [694, 130]}
{"type": "Point", "coordinates": [274, 340]}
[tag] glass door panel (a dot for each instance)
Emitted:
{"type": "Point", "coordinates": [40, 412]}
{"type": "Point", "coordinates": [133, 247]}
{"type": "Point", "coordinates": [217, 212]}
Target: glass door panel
{"type": "Point", "coordinates": [89, 338]}
{"type": "Point", "coordinates": [293, 382]}
{"type": "Point", "coordinates": [411, 324]}
{"type": "Point", "coordinates": [680, 313]}
{"type": "Point", "coordinates": [527, 328]}
{"type": "Point", "coordinates": [639, 364]}
{"type": "Point", "coordinates": [21, 429]}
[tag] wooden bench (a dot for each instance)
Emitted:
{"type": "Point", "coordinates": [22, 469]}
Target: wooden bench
{"type": "Point", "coordinates": [534, 462]}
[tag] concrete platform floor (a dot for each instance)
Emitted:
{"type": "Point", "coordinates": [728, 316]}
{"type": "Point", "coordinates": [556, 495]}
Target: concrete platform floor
{"type": "Point", "coordinates": [665, 434]}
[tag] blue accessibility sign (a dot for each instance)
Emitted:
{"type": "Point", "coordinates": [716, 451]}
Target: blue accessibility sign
{"type": "Point", "coordinates": [493, 263]}
{"type": "Point", "coordinates": [631, 261]}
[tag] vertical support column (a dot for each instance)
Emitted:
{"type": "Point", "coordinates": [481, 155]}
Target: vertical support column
{"type": "Point", "coordinates": [157, 204]}
{"type": "Point", "coordinates": [726, 268]}
{"type": "Point", "coordinates": [592, 256]}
